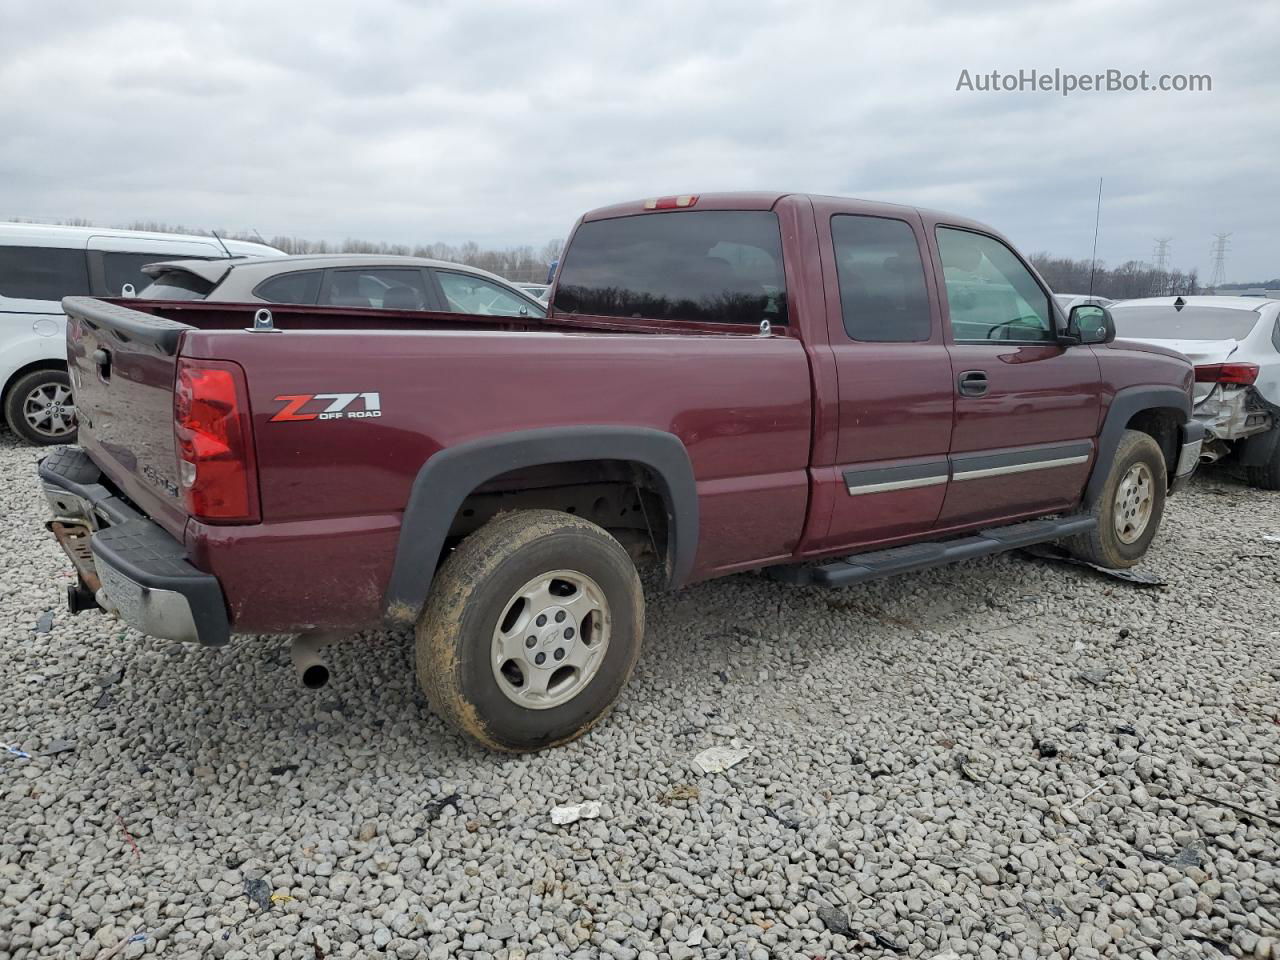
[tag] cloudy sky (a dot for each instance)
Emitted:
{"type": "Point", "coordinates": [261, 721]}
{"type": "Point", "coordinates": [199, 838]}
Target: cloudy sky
{"type": "Point", "coordinates": [501, 121]}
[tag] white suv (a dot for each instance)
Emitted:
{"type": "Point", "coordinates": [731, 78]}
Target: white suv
{"type": "Point", "coordinates": [39, 265]}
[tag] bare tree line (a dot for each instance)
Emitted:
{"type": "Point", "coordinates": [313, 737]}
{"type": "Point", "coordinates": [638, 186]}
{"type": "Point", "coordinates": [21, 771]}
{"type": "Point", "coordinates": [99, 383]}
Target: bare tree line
{"type": "Point", "coordinates": [1129, 280]}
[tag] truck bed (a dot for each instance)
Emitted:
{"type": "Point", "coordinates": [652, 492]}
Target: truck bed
{"type": "Point", "coordinates": [332, 492]}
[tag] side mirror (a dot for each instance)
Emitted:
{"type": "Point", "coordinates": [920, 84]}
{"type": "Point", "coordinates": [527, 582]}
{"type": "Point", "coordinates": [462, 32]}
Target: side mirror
{"type": "Point", "coordinates": [1090, 324]}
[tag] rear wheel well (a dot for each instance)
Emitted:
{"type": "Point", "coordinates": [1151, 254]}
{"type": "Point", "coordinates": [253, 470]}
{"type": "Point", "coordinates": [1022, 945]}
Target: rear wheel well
{"type": "Point", "coordinates": [624, 497]}
{"type": "Point", "coordinates": [1161, 424]}
{"type": "Point", "coordinates": [28, 368]}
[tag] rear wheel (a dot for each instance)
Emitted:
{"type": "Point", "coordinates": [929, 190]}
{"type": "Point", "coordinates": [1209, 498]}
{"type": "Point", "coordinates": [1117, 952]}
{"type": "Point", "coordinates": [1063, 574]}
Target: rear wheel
{"type": "Point", "coordinates": [40, 409]}
{"type": "Point", "coordinates": [531, 630]}
{"type": "Point", "coordinates": [1130, 507]}
{"type": "Point", "coordinates": [1267, 475]}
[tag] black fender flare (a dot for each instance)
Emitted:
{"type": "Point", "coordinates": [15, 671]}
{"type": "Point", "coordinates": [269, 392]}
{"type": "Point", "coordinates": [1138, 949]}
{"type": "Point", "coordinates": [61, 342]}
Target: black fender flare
{"type": "Point", "coordinates": [450, 476]}
{"type": "Point", "coordinates": [1126, 403]}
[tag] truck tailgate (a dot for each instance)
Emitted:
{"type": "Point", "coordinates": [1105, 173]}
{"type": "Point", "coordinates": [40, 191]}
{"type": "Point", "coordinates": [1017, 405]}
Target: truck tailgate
{"type": "Point", "coordinates": [122, 365]}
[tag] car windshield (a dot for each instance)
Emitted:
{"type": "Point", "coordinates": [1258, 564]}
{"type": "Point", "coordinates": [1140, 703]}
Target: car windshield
{"type": "Point", "coordinates": [1166, 322]}
{"type": "Point", "coordinates": [176, 285]}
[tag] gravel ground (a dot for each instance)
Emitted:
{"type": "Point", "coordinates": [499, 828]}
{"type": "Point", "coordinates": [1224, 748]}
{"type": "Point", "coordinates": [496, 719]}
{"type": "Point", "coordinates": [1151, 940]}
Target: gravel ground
{"type": "Point", "coordinates": [1001, 759]}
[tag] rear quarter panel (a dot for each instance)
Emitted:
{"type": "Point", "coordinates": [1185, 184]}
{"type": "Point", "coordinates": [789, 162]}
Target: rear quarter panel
{"type": "Point", "coordinates": [332, 491]}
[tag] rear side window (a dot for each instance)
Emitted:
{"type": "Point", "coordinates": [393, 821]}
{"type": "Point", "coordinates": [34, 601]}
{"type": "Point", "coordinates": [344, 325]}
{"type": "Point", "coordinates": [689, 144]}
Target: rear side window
{"type": "Point", "coordinates": [42, 273]}
{"type": "Point", "coordinates": [176, 285]}
{"type": "Point", "coordinates": [882, 287]}
{"type": "Point", "coordinates": [714, 266]}
{"type": "Point", "coordinates": [301, 287]}
{"type": "Point", "coordinates": [121, 268]}
{"type": "Point", "coordinates": [385, 288]}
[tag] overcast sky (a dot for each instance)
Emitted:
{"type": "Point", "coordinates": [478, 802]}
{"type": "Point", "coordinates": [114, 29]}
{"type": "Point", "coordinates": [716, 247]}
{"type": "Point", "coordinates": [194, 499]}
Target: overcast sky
{"type": "Point", "coordinates": [501, 122]}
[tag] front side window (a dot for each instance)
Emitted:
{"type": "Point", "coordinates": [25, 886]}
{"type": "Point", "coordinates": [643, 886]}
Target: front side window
{"type": "Point", "coordinates": [384, 288]}
{"type": "Point", "coordinates": [301, 287]}
{"type": "Point", "coordinates": [467, 293]}
{"type": "Point", "coordinates": [42, 273]}
{"type": "Point", "coordinates": [713, 266]}
{"type": "Point", "coordinates": [883, 297]}
{"type": "Point", "coordinates": [991, 295]}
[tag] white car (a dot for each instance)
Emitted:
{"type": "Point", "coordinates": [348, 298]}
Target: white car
{"type": "Point", "coordinates": [1069, 300]}
{"type": "Point", "coordinates": [539, 291]}
{"type": "Point", "coordinates": [1234, 343]}
{"type": "Point", "coordinates": [42, 263]}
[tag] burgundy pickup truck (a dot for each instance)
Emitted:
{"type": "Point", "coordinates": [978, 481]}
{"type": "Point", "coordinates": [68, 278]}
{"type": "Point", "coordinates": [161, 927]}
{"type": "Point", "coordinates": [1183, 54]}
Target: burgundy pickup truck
{"type": "Point", "coordinates": [827, 390]}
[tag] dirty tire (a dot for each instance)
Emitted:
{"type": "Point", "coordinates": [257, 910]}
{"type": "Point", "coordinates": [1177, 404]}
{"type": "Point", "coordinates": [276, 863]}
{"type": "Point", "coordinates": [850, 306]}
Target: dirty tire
{"type": "Point", "coordinates": [1103, 545]}
{"type": "Point", "coordinates": [473, 589]}
{"type": "Point", "coordinates": [15, 402]}
{"type": "Point", "coordinates": [1266, 476]}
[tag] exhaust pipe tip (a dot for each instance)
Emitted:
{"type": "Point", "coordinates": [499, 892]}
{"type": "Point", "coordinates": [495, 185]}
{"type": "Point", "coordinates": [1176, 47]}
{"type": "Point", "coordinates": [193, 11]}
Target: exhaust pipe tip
{"type": "Point", "coordinates": [315, 676]}
{"type": "Point", "coordinates": [309, 661]}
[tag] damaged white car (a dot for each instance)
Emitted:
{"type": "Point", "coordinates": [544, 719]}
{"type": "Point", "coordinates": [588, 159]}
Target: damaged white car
{"type": "Point", "coordinates": [1234, 343]}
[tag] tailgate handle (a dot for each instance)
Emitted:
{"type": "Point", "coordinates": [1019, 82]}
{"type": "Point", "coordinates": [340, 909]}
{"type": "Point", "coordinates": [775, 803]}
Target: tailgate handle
{"type": "Point", "coordinates": [102, 358]}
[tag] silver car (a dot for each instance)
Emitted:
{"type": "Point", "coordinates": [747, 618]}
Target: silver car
{"type": "Point", "coordinates": [1234, 343]}
{"type": "Point", "coordinates": [363, 281]}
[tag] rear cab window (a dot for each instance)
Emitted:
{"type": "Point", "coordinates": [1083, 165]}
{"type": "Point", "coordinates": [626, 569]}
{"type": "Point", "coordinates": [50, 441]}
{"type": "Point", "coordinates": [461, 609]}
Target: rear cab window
{"type": "Point", "coordinates": [707, 266]}
{"type": "Point", "coordinates": [42, 273]}
{"type": "Point", "coordinates": [883, 297]}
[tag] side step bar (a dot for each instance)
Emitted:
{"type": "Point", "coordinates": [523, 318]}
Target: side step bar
{"type": "Point", "coordinates": [921, 556]}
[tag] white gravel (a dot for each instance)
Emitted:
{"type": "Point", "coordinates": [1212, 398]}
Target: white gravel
{"type": "Point", "coordinates": [940, 765]}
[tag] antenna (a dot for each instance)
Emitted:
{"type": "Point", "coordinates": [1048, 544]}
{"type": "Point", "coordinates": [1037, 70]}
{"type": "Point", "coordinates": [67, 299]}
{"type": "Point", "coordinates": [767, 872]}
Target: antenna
{"type": "Point", "coordinates": [221, 244]}
{"type": "Point", "coordinates": [1221, 244]}
{"type": "Point", "coordinates": [259, 236]}
{"type": "Point", "coordinates": [1097, 219]}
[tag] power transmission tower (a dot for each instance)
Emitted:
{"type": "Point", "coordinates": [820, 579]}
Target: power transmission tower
{"type": "Point", "coordinates": [1221, 244]}
{"type": "Point", "coordinates": [1161, 253]}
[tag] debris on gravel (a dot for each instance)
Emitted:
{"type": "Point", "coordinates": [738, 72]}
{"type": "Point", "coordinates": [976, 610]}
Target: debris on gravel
{"type": "Point", "coordinates": [936, 772]}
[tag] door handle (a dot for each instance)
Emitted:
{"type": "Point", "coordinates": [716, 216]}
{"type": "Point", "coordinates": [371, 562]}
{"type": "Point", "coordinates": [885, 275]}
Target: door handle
{"type": "Point", "coordinates": [973, 383]}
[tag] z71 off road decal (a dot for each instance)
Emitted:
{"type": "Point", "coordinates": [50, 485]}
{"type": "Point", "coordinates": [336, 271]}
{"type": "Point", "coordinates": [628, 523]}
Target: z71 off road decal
{"type": "Point", "coordinates": [306, 406]}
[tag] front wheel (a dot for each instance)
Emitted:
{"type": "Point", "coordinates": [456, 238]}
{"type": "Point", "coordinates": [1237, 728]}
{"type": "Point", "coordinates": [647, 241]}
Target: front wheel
{"type": "Point", "coordinates": [531, 630]}
{"type": "Point", "coordinates": [39, 408]}
{"type": "Point", "coordinates": [1130, 506]}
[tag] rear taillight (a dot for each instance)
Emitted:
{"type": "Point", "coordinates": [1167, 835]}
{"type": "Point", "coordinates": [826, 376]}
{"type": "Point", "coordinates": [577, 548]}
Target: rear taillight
{"type": "Point", "coordinates": [1242, 374]}
{"type": "Point", "coordinates": [216, 468]}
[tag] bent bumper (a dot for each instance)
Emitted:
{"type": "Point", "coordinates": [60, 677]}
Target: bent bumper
{"type": "Point", "coordinates": [1192, 434]}
{"type": "Point", "coordinates": [143, 573]}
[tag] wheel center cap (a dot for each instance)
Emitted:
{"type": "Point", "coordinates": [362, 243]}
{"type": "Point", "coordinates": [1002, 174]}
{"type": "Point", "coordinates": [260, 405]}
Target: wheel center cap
{"type": "Point", "coordinates": [558, 632]}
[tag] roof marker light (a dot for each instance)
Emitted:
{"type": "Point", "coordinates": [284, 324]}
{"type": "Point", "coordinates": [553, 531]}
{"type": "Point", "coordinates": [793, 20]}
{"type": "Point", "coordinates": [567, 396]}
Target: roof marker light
{"type": "Point", "coordinates": [671, 203]}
